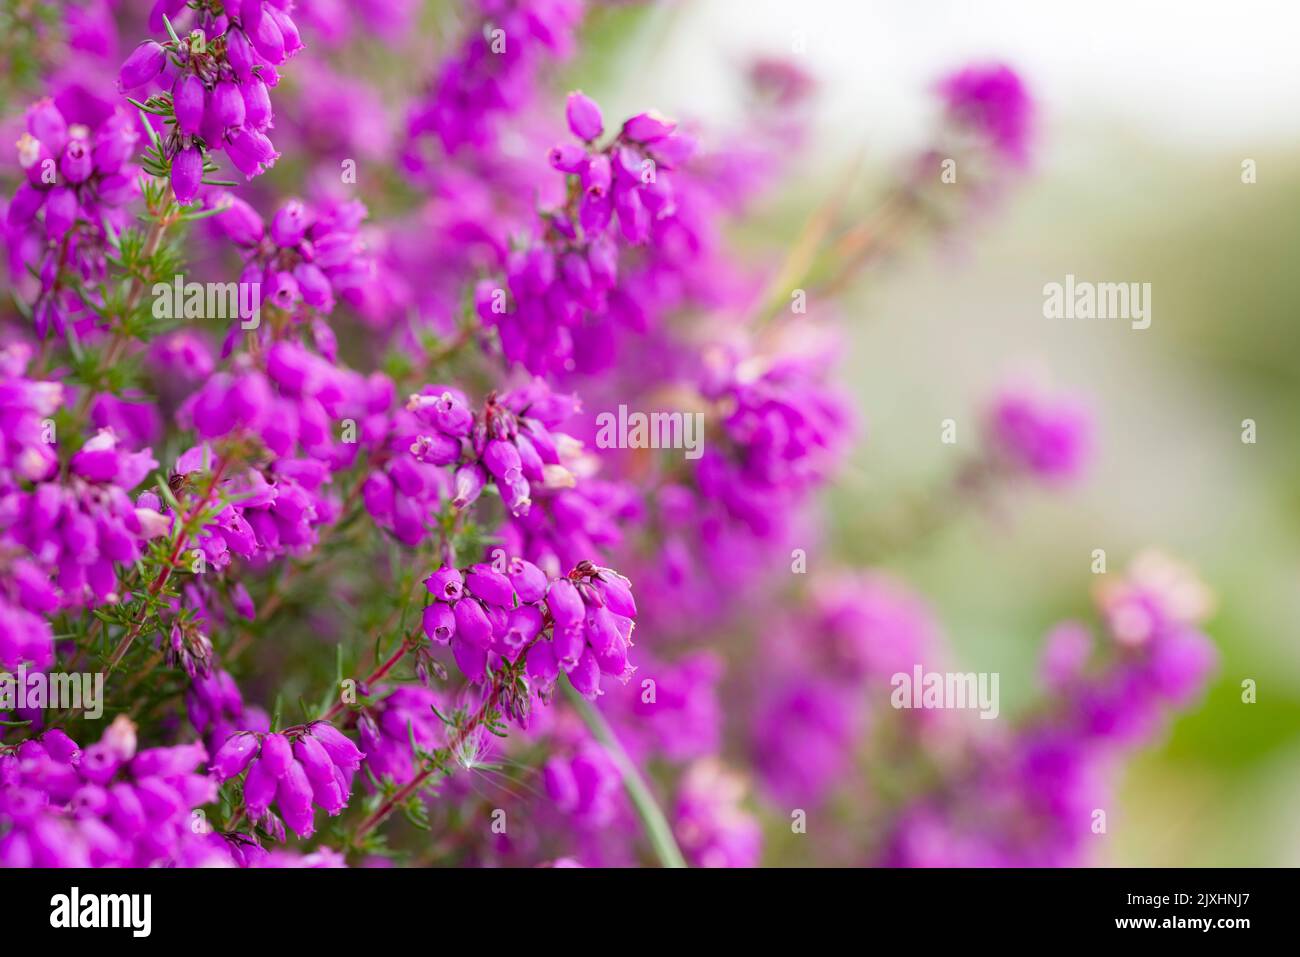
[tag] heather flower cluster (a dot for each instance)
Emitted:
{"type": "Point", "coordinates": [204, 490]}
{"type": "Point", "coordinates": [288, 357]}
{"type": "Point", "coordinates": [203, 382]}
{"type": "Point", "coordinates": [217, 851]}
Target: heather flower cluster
{"type": "Point", "coordinates": [295, 770]}
{"type": "Point", "coordinates": [82, 528]}
{"type": "Point", "coordinates": [580, 625]}
{"type": "Point", "coordinates": [110, 804]}
{"type": "Point", "coordinates": [27, 405]}
{"type": "Point", "coordinates": [307, 260]}
{"type": "Point", "coordinates": [492, 73]}
{"type": "Point", "coordinates": [435, 449]}
{"type": "Point", "coordinates": [360, 554]}
{"type": "Point", "coordinates": [79, 178]}
{"type": "Point", "coordinates": [1046, 437]}
{"type": "Point", "coordinates": [1032, 797]}
{"type": "Point", "coordinates": [217, 79]}
{"type": "Point", "coordinates": [616, 194]}
{"type": "Point", "coordinates": [991, 101]}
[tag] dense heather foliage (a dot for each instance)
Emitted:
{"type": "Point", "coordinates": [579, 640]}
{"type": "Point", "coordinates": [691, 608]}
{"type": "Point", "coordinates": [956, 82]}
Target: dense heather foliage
{"type": "Point", "coordinates": [357, 545]}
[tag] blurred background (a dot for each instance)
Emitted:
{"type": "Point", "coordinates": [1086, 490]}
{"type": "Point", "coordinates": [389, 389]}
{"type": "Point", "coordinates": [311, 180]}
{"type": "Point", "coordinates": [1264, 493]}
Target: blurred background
{"type": "Point", "coordinates": [1144, 122]}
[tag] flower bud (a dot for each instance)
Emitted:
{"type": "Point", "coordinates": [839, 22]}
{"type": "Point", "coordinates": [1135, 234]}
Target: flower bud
{"type": "Point", "coordinates": [540, 665]}
{"type": "Point", "coordinates": [470, 480]}
{"type": "Point", "coordinates": [648, 127]}
{"type": "Point", "coordinates": [259, 789]}
{"type": "Point", "coordinates": [515, 492]}
{"type": "Point", "coordinates": [239, 53]}
{"type": "Point", "coordinates": [584, 116]}
{"type": "Point", "coordinates": [60, 747]}
{"type": "Point", "coordinates": [528, 581]}
{"type": "Point", "coordinates": [502, 459]}
{"type": "Point", "coordinates": [145, 62]}
{"type": "Point", "coordinates": [471, 660]}
{"type": "Point", "coordinates": [187, 103]}
{"type": "Point", "coordinates": [530, 462]}
{"type": "Point", "coordinates": [568, 158]}
{"type": "Point", "coordinates": [585, 677]}
{"type": "Point", "coordinates": [472, 624]}
{"type": "Point", "coordinates": [617, 593]}
{"type": "Point", "coordinates": [600, 629]}
{"type": "Point", "coordinates": [290, 224]}
{"type": "Point", "coordinates": [568, 644]}
{"type": "Point", "coordinates": [125, 812]}
{"type": "Point", "coordinates": [293, 798]}
{"type": "Point", "coordinates": [277, 753]}
{"type": "Point", "coordinates": [267, 39]}
{"type": "Point", "coordinates": [77, 164]}
{"type": "Point", "coordinates": [25, 205]}
{"type": "Point", "coordinates": [60, 211]}
{"type": "Point", "coordinates": [240, 222]}
{"type": "Point", "coordinates": [233, 756]}
{"type": "Point", "coordinates": [313, 757]}
{"type": "Point", "coordinates": [187, 172]}
{"type": "Point", "coordinates": [251, 152]}
{"type": "Point", "coordinates": [228, 104]}
{"type": "Point", "coordinates": [337, 745]}
{"type": "Point", "coordinates": [257, 104]}
{"type": "Point", "coordinates": [435, 449]}
{"type": "Point", "coordinates": [288, 30]}
{"type": "Point", "coordinates": [446, 584]}
{"type": "Point", "coordinates": [314, 286]}
{"type": "Point", "coordinates": [46, 123]}
{"type": "Point", "coordinates": [439, 623]}
{"type": "Point", "coordinates": [613, 660]}
{"type": "Point", "coordinates": [565, 603]}
{"type": "Point", "coordinates": [485, 582]}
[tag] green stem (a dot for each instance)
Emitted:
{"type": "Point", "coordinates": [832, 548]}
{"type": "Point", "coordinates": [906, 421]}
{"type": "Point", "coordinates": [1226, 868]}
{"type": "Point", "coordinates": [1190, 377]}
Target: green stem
{"type": "Point", "coordinates": [652, 818]}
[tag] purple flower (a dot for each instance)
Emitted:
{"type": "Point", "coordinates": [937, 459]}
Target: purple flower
{"type": "Point", "coordinates": [584, 117]}
{"type": "Point", "coordinates": [187, 172]}
{"type": "Point", "coordinates": [491, 73]}
{"type": "Point", "coordinates": [188, 103]}
{"type": "Point", "coordinates": [993, 102]}
{"type": "Point", "coordinates": [104, 806]}
{"type": "Point", "coordinates": [648, 127]}
{"type": "Point", "coordinates": [337, 745]}
{"type": "Point", "coordinates": [276, 754]}
{"type": "Point", "coordinates": [472, 624]}
{"type": "Point", "coordinates": [227, 105]}
{"type": "Point", "coordinates": [1047, 437]}
{"type": "Point", "coordinates": [439, 623]}
{"type": "Point", "coordinates": [404, 715]}
{"type": "Point", "coordinates": [489, 585]}
{"type": "Point", "coordinates": [234, 756]}
{"type": "Point", "coordinates": [446, 584]}
{"type": "Point", "coordinates": [145, 62]}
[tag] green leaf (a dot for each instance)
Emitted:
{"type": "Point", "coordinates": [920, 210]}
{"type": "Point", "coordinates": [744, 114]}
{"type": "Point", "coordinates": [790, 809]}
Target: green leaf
{"type": "Point", "coordinates": [171, 32]}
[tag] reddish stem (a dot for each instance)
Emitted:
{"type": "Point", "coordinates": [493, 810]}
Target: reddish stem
{"type": "Point", "coordinates": [417, 782]}
{"type": "Point", "coordinates": [375, 675]}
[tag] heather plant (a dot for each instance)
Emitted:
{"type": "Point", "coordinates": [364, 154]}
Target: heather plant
{"type": "Point", "coordinates": [362, 581]}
